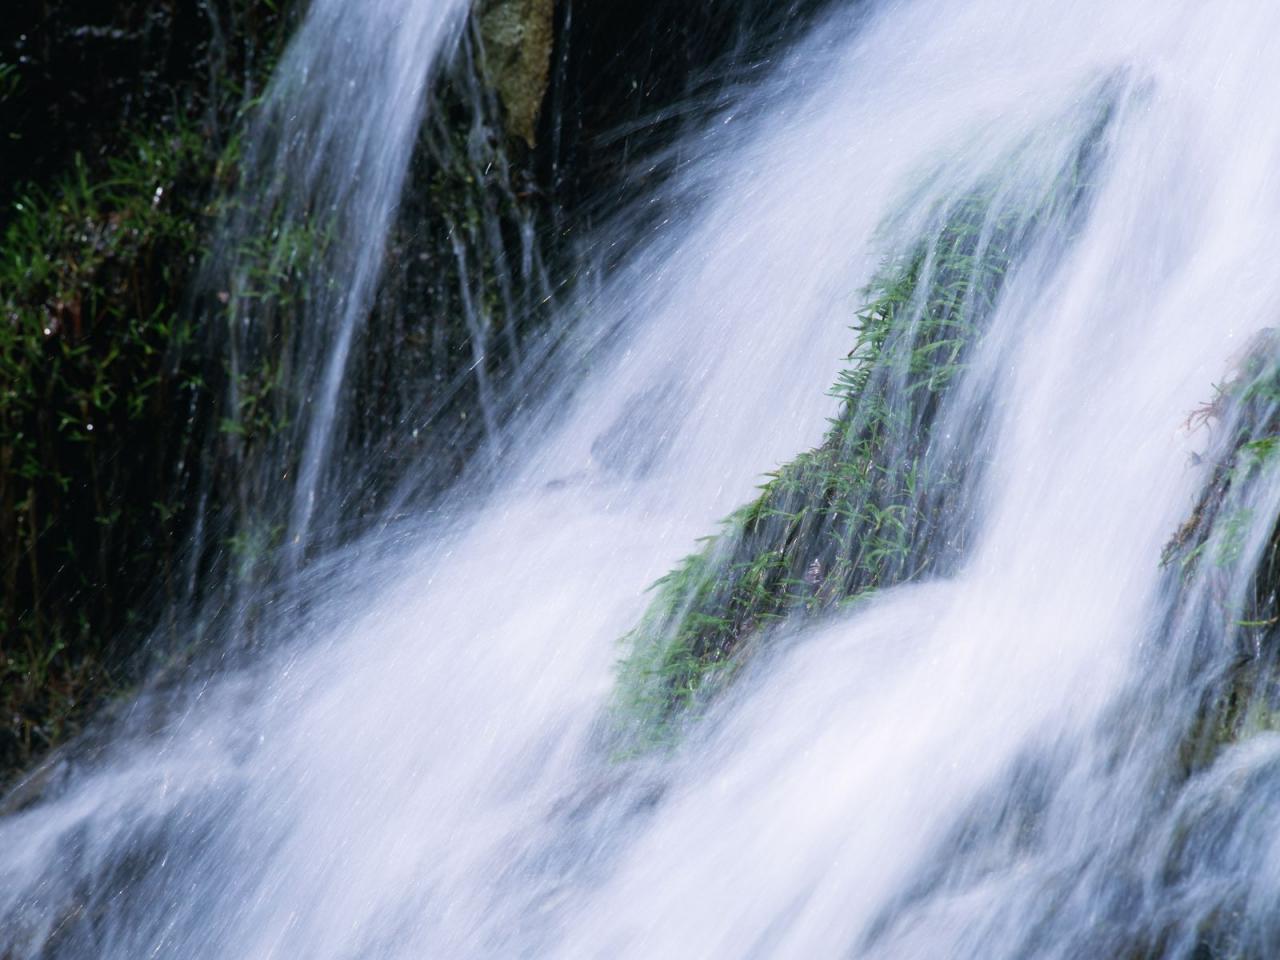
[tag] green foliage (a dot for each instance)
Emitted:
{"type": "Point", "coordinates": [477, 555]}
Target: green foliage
{"type": "Point", "coordinates": [94, 361]}
{"type": "Point", "coordinates": [106, 387]}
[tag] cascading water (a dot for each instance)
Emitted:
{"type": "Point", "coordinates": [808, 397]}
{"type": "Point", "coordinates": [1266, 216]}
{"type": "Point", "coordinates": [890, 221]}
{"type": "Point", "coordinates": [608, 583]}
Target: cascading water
{"type": "Point", "coordinates": [324, 171]}
{"type": "Point", "coordinates": [979, 763]}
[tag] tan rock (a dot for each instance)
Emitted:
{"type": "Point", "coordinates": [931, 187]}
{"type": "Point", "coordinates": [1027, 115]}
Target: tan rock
{"type": "Point", "coordinates": [518, 36]}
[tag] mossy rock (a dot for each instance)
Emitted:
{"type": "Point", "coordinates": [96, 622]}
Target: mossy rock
{"type": "Point", "coordinates": [518, 37]}
{"type": "Point", "coordinates": [882, 500]}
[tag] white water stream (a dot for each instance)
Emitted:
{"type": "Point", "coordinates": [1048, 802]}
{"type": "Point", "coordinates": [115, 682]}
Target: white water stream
{"type": "Point", "coordinates": [328, 154]}
{"type": "Point", "coordinates": [429, 771]}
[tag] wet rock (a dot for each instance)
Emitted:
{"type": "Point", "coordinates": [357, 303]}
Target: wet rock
{"type": "Point", "coordinates": [518, 36]}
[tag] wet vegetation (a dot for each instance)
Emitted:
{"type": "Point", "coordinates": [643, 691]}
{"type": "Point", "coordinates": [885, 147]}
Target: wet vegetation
{"type": "Point", "coordinates": [886, 498]}
{"type": "Point", "coordinates": [872, 506]}
{"type": "Point", "coordinates": [103, 391]}
{"type": "Point", "coordinates": [1227, 558]}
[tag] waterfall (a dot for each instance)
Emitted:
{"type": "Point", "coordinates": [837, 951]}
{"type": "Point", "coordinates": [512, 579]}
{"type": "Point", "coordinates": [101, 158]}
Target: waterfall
{"type": "Point", "coordinates": [323, 172]}
{"type": "Point", "coordinates": [1050, 225]}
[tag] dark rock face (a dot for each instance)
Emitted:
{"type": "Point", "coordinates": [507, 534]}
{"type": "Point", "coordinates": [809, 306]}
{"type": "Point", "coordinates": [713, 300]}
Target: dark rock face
{"type": "Point", "coordinates": [627, 76]}
{"type": "Point", "coordinates": [74, 74]}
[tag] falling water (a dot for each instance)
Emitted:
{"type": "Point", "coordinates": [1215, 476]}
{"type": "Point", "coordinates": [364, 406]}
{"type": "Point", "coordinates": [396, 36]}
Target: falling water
{"type": "Point", "coordinates": [975, 763]}
{"type": "Point", "coordinates": [329, 150]}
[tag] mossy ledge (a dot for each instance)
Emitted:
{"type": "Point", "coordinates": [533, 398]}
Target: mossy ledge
{"type": "Point", "coordinates": [882, 500]}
